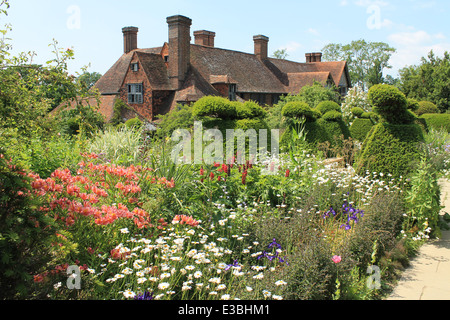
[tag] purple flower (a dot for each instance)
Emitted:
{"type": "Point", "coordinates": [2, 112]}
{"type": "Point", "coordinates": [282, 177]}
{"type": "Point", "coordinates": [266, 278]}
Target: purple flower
{"type": "Point", "coordinates": [234, 264]}
{"type": "Point", "coordinates": [145, 296]}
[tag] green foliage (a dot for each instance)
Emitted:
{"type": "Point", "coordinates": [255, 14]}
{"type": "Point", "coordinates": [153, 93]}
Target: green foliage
{"type": "Point", "coordinates": [332, 115]}
{"type": "Point", "coordinates": [298, 110]}
{"type": "Point", "coordinates": [366, 60]}
{"type": "Point", "coordinates": [412, 104]}
{"type": "Point", "coordinates": [325, 106]}
{"type": "Point", "coordinates": [313, 95]}
{"type": "Point", "coordinates": [391, 149]}
{"type": "Point", "coordinates": [390, 103]}
{"type": "Point", "coordinates": [121, 146]}
{"type": "Point", "coordinates": [355, 98]}
{"type": "Point", "coordinates": [179, 118]}
{"type": "Point", "coordinates": [360, 128]}
{"type": "Point", "coordinates": [25, 233]}
{"type": "Point", "coordinates": [423, 201]}
{"type": "Point", "coordinates": [437, 121]}
{"type": "Point", "coordinates": [134, 123]}
{"type": "Point", "coordinates": [84, 119]}
{"type": "Point", "coordinates": [357, 112]}
{"type": "Point", "coordinates": [428, 81]}
{"type": "Point", "coordinates": [426, 107]}
{"type": "Point", "coordinates": [216, 107]}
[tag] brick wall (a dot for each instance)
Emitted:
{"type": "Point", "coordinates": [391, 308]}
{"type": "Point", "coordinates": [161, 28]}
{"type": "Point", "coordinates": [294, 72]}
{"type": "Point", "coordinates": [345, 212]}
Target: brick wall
{"type": "Point", "coordinates": [145, 108]}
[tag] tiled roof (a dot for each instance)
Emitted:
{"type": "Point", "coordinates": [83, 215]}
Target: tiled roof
{"type": "Point", "coordinates": [155, 69]}
{"type": "Point", "coordinates": [299, 80]}
{"type": "Point", "coordinates": [246, 69]}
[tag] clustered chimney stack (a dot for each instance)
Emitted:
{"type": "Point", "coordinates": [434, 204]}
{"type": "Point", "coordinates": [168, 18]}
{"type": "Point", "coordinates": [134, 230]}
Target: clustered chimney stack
{"type": "Point", "coordinates": [129, 39]}
{"type": "Point", "coordinates": [261, 46]}
{"type": "Point", "coordinates": [179, 49]}
{"type": "Point", "coordinates": [204, 38]}
{"type": "Point", "coordinates": [314, 57]}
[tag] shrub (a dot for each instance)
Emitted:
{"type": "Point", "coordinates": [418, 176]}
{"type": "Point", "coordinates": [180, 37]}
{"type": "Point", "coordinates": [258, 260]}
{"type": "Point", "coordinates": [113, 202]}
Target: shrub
{"type": "Point", "coordinates": [437, 121]}
{"type": "Point", "coordinates": [390, 103]}
{"type": "Point", "coordinates": [357, 112]}
{"type": "Point", "coordinates": [216, 107]}
{"type": "Point", "coordinates": [256, 110]}
{"type": "Point", "coordinates": [412, 104]}
{"type": "Point", "coordinates": [326, 106]}
{"type": "Point", "coordinates": [360, 128]}
{"type": "Point", "coordinates": [179, 118]}
{"type": "Point", "coordinates": [332, 116]}
{"type": "Point", "coordinates": [426, 107]}
{"type": "Point", "coordinates": [134, 123]}
{"type": "Point", "coordinates": [25, 233]}
{"type": "Point", "coordinates": [390, 148]}
{"type": "Point", "coordinates": [297, 110]}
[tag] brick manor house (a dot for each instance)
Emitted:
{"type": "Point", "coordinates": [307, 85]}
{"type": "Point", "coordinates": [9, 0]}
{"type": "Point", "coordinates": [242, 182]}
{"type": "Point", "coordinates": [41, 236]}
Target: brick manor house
{"type": "Point", "coordinates": [153, 81]}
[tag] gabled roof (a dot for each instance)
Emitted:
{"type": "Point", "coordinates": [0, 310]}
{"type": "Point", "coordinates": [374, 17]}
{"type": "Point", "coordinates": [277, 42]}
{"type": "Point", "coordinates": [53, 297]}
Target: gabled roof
{"type": "Point", "coordinates": [299, 80]}
{"type": "Point", "coordinates": [336, 68]}
{"type": "Point", "coordinates": [155, 69]}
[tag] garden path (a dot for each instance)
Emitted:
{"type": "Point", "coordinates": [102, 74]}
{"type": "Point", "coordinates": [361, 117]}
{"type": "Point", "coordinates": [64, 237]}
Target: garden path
{"type": "Point", "coordinates": [428, 277]}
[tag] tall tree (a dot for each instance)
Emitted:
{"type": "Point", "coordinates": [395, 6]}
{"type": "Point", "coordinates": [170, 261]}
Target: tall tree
{"type": "Point", "coordinates": [428, 81]}
{"type": "Point", "coordinates": [366, 60]}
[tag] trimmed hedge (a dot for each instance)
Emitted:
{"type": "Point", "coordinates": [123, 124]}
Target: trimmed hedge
{"type": "Point", "coordinates": [326, 106]}
{"type": "Point", "coordinates": [391, 148]}
{"type": "Point", "coordinates": [297, 110]}
{"type": "Point", "coordinates": [390, 103]}
{"type": "Point", "coordinates": [320, 131]}
{"type": "Point", "coordinates": [437, 121]}
{"type": "Point", "coordinates": [426, 107]}
{"type": "Point", "coordinates": [332, 115]}
{"type": "Point", "coordinates": [216, 107]}
{"type": "Point", "coordinates": [360, 128]}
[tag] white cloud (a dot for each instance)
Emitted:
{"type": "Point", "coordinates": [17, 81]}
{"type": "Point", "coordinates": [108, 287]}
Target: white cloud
{"type": "Point", "coordinates": [412, 46]}
{"type": "Point", "coordinates": [314, 32]}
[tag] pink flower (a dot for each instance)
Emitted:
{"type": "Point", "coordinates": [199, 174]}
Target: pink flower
{"type": "Point", "coordinates": [336, 259]}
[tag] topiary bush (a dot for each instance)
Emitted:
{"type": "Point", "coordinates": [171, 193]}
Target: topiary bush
{"type": "Point", "coordinates": [298, 110]}
{"type": "Point", "coordinates": [216, 107]}
{"type": "Point", "coordinates": [326, 106]}
{"type": "Point", "coordinates": [426, 107]}
{"type": "Point", "coordinates": [357, 112]}
{"type": "Point", "coordinates": [360, 128]}
{"type": "Point", "coordinates": [390, 103]}
{"type": "Point", "coordinates": [437, 121]}
{"type": "Point", "coordinates": [332, 115]}
{"type": "Point", "coordinates": [412, 104]}
{"type": "Point", "coordinates": [391, 148]}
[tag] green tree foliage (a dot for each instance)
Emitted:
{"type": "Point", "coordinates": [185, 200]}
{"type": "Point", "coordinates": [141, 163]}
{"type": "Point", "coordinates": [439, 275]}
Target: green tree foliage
{"type": "Point", "coordinates": [313, 95]}
{"type": "Point", "coordinates": [88, 79]}
{"type": "Point", "coordinates": [428, 81]}
{"type": "Point", "coordinates": [366, 60]}
{"type": "Point", "coordinates": [280, 54]}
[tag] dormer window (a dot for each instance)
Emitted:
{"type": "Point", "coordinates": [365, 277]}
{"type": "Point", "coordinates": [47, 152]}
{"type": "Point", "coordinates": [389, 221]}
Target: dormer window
{"type": "Point", "coordinates": [135, 93]}
{"type": "Point", "coordinates": [134, 67]}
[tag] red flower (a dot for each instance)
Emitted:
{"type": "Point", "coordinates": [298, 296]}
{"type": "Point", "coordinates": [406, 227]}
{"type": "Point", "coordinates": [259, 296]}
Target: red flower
{"type": "Point", "coordinates": [287, 173]}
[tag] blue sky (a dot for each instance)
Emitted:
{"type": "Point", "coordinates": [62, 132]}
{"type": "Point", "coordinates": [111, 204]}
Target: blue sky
{"type": "Point", "coordinates": [93, 28]}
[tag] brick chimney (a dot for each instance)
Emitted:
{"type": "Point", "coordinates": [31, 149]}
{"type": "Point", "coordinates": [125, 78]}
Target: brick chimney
{"type": "Point", "coordinates": [261, 46]}
{"type": "Point", "coordinates": [204, 38]}
{"type": "Point", "coordinates": [314, 57]}
{"type": "Point", "coordinates": [129, 38]}
{"type": "Point", "coordinates": [179, 49]}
